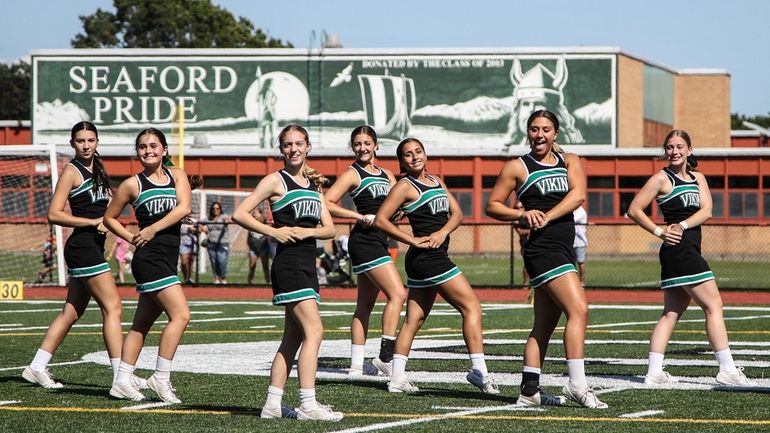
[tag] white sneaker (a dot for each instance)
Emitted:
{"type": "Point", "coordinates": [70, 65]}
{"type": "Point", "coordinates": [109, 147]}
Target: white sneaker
{"type": "Point", "coordinates": [319, 413]}
{"type": "Point", "coordinates": [585, 397]}
{"type": "Point", "coordinates": [278, 412]}
{"type": "Point", "coordinates": [385, 368]}
{"type": "Point", "coordinates": [365, 370]}
{"type": "Point", "coordinates": [126, 392]}
{"type": "Point", "coordinates": [541, 399]}
{"type": "Point", "coordinates": [736, 378]}
{"type": "Point", "coordinates": [403, 386]}
{"type": "Point", "coordinates": [163, 388]}
{"type": "Point", "coordinates": [660, 379]}
{"type": "Point", "coordinates": [484, 383]}
{"type": "Point", "coordinates": [43, 378]}
{"type": "Point", "coordinates": [137, 382]}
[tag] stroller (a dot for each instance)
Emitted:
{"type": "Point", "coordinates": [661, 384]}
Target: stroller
{"type": "Point", "coordinates": [335, 265]}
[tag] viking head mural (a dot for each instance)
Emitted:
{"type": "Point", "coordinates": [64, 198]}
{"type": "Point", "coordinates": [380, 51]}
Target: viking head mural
{"type": "Point", "coordinates": [540, 89]}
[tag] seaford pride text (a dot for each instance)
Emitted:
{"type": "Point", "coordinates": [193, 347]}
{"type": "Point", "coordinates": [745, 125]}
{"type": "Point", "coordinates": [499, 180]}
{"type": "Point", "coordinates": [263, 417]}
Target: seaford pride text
{"type": "Point", "coordinates": [142, 94]}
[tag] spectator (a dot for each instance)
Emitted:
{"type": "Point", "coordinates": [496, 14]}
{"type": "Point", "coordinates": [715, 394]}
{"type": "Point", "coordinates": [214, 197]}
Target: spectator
{"type": "Point", "coordinates": [49, 264]}
{"type": "Point", "coordinates": [119, 250]}
{"type": "Point", "coordinates": [218, 241]}
{"type": "Point", "coordinates": [581, 241]}
{"type": "Point", "coordinates": [188, 249]}
{"type": "Point", "coordinates": [260, 246]}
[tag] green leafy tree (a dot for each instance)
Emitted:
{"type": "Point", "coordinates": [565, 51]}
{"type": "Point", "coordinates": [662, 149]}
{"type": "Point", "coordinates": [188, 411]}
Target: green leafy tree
{"type": "Point", "coordinates": [736, 121]}
{"type": "Point", "coordinates": [170, 24]}
{"type": "Point", "coordinates": [14, 88]}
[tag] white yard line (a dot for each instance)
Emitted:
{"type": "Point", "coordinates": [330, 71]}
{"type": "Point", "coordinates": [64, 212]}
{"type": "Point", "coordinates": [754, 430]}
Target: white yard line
{"type": "Point", "coordinates": [396, 424]}
{"type": "Point", "coordinates": [642, 414]}
{"type": "Point", "coordinates": [147, 406]}
{"type": "Point", "coordinates": [7, 402]}
{"type": "Point", "coordinates": [50, 365]}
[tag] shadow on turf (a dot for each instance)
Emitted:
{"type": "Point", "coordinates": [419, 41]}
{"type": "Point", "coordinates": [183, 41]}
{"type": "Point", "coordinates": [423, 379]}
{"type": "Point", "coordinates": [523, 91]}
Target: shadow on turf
{"type": "Point", "coordinates": [472, 393]}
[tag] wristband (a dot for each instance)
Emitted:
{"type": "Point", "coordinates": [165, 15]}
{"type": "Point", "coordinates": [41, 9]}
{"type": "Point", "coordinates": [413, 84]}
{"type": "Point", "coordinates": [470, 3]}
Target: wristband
{"type": "Point", "coordinates": [658, 231]}
{"type": "Point", "coordinates": [684, 225]}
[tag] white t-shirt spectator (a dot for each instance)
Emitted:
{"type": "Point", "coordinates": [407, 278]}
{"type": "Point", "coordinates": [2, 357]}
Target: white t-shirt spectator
{"type": "Point", "coordinates": [581, 220]}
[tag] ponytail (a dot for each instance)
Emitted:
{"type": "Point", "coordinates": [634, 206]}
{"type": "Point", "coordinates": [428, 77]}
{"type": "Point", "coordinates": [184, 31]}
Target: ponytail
{"type": "Point", "coordinates": [692, 163]}
{"type": "Point", "coordinates": [314, 176]}
{"type": "Point", "coordinates": [556, 148]}
{"type": "Point", "coordinates": [101, 178]}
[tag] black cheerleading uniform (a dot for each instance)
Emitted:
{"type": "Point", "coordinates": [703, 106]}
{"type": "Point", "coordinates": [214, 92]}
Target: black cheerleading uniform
{"type": "Point", "coordinates": [368, 246]}
{"type": "Point", "coordinates": [427, 267]}
{"type": "Point", "coordinates": [682, 264]}
{"type": "Point", "coordinates": [548, 252]}
{"type": "Point", "coordinates": [154, 265]}
{"type": "Point", "coordinates": [293, 272]}
{"type": "Point", "coordinates": [84, 250]}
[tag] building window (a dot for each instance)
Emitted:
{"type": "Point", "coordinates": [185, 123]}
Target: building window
{"type": "Point", "coordinates": [14, 181]}
{"type": "Point", "coordinates": [488, 181]}
{"type": "Point", "coordinates": [214, 182]}
{"type": "Point", "coordinates": [716, 182]}
{"type": "Point", "coordinates": [42, 200]}
{"type": "Point", "coordinates": [632, 182]}
{"type": "Point", "coordinates": [15, 204]}
{"type": "Point", "coordinates": [458, 181]}
{"type": "Point", "coordinates": [249, 181]}
{"type": "Point", "coordinates": [600, 204]}
{"type": "Point", "coordinates": [465, 200]}
{"type": "Point", "coordinates": [745, 182]}
{"type": "Point", "coordinates": [743, 204]}
{"type": "Point", "coordinates": [601, 181]}
{"type": "Point", "coordinates": [625, 202]}
{"type": "Point", "coordinates": [718, 204]}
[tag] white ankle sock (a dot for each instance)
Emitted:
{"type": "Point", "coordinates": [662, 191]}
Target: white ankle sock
{"type": "Point", "coordinates": [655, 363]}
{"type": "Point", "coordinates": [357, 356]}
{"type": "Point", "coordinates": [577, 373]}
{"type": "Point", "coordinates": [115, 364]}
{"type": "Point", "coordinates": [40, 361]}
{"type": "Point", "coordinates": [163, 369]}
{"type": "Point", "coordinates": [725, 360]}
{"type": "Point", "coordinates": [307, 398]}
{"type": "Point", "coordinates": [274, 397]}
{"type": "Point", "coordinates": [125, 370]}
{"type": "Point", "coordinates": [399, 368]}
{"type": "Point", "coordinates": [478, 363]}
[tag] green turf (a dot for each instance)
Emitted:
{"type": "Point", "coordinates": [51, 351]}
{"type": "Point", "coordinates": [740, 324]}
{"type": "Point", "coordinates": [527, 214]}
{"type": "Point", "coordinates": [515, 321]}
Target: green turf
{"type": "Point", "coordinates": [235, 399]}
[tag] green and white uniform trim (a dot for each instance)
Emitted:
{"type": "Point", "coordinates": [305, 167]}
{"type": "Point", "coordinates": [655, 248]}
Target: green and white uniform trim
{"type": "Point", "coordinates": [154, 193]}
{"type": "Point", "coordinates": [160, 284]}
{"type": "Point", "coordinates": [433, 281]}
{"type": "Point", "coordinates": [686, 280]}
{"type": "Point", "coordinates": [368, 266]}
{"type": "Point", "coordinates": [89, 270]}
{"type": "Point", "coordinates": [296, 296]}
{"type": "Point", "coordinates": [550, 275]}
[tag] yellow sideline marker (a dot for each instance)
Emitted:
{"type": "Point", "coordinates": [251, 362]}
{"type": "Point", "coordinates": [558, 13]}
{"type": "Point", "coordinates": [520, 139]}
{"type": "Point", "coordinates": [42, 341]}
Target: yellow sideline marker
{"type": "Point", "coordinates": [11, 290]}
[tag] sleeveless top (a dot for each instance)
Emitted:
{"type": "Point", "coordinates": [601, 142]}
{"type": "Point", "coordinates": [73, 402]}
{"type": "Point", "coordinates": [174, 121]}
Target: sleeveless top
{"type": "Point", "coordinates": [84, 201]}
{"type": "Point", "coordinates": [154, 202]}
{"type": "Point", "coordinates": [430, 211]}
{"type": "Point", "coordinates": [545, 185]}
{"type": "Point", "coordinates": [300, 206]}
{"type": "Point", "coordinates": [682, 201]}
{"type": "Point", "coordinates": [371, 190]}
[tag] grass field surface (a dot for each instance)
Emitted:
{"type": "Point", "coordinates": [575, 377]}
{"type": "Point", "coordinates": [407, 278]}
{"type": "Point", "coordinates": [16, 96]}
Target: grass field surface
{"type": "Point", "coordinates": [221, 374]}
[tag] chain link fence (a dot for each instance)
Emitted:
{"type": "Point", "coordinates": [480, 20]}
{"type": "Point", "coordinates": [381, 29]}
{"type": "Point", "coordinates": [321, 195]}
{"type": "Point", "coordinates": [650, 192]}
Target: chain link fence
{"type": "Point", "coordinates": [617, 256]}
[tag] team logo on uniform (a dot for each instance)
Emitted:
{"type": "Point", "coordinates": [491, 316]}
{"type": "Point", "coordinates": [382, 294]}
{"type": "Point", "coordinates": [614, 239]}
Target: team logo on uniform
{"type": "Point", "coordinates": [160, 205]}
{"type": "Point", "coordinates": [98, 195]}
{"type": "Point", "coordinates": [379, 189]}
{"type": "Point", "coordinates": [307, 209]}
{"type": "Point", "coordinates": [439, 205]}
{"type": "Point", "coordinates": [690, 199]}
{"type": "Point", "coordinates": [552, 184]}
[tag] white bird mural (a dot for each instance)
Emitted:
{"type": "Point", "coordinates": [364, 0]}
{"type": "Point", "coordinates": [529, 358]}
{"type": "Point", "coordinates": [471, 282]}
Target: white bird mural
{"type": "Point", "coordinates": [344, 76]}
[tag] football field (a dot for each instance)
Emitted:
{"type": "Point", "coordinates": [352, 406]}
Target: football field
{"type": "Point", "coordinates": [221, 374]}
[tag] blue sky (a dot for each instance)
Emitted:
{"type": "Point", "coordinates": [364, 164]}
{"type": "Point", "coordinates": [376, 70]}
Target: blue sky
{"type": "Point", "coordinates": [682, 34]}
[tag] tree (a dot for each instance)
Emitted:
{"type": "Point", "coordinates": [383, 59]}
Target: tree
{"type": "Point", "coordinates": [736, 121]}
{"type": "Point", "coordinates": [14, 86]}
{"type": "Point", "coordinates": [170, 24]}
